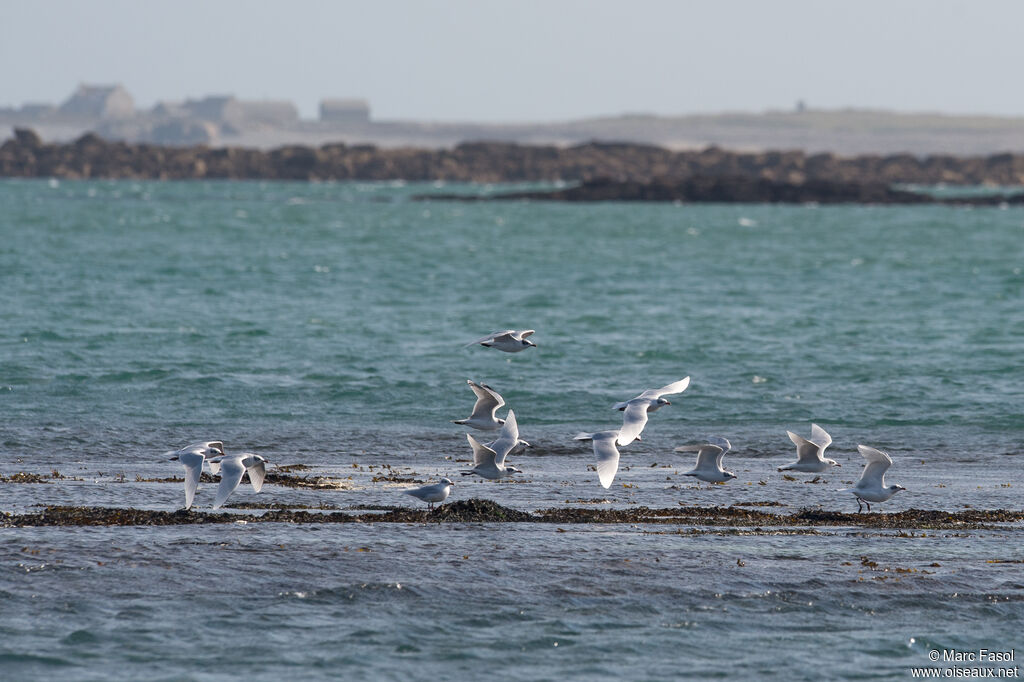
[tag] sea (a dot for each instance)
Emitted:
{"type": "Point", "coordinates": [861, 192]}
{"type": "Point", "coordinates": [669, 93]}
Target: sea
{"type": "Point", "coordinates": [325, 325]}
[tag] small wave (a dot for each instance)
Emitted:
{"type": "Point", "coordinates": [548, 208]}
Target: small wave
{"type": "Point", "coordinates": [80, 637]}
{"type": "Point", "coordinates": [248, 333]}
{"type": "Point", "coordinates": [13, 659]}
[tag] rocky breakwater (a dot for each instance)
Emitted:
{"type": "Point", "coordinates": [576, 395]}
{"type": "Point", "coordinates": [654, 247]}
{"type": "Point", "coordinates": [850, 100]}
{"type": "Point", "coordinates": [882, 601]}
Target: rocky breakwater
{"type": "Point", "coordinates": [26, 155]}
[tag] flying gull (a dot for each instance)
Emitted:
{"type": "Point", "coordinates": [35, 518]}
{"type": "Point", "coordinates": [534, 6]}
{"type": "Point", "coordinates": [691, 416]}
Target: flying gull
{"type": "Point", "coordinates": [810, 453]}
{"type": "Point", "coordinates": [637, 409]}
{"type": "Point", "coordinates": [871, 487]}
{"type": "Point", "coordinates": [509, 340]}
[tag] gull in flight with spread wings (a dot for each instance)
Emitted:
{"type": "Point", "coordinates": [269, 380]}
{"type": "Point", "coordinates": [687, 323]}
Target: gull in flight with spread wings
{"type": "Point", "coordinates": [509, 340]}
{"type": "Point", "coordinates": [438, 492]}
{"type": "Point", "coordinates": [487, 403]}
{"type": "Point", "coordinates": [231, 468]}
{"type": "Point", "coordinates": [192, 458]}
{"type": "Point", "coordinates": [607, 453]}
{"type": "Point", "coordinates": [709, 460]}
{"type": "Point", "coordinates": [637, 409]}
{"type": "Point", "coordinates": [870, 487]}
{"type": "Point", "coordinates": [489, 462]}
{"type": "Point", "coordinates": [810, 453]}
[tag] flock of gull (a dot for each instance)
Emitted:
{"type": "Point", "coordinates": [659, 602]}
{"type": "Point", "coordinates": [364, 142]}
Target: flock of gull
{"type": "Point", "coordinates": [489, 458]}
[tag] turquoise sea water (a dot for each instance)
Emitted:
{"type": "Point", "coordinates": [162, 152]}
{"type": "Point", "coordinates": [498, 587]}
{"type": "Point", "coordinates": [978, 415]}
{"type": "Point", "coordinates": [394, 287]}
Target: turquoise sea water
{"type": "Point", "coordinates": [324, 324]}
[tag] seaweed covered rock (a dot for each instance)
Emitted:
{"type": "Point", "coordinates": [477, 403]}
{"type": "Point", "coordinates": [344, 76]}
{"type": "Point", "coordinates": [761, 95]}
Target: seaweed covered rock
{"type": "Point", "coordinates": [478, 510]}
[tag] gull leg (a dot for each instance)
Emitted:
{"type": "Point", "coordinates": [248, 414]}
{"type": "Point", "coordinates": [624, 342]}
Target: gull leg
{"type": "Point", "coordinates": [860, 507]}
{"type": "Point", "coordinates": [868, 504]}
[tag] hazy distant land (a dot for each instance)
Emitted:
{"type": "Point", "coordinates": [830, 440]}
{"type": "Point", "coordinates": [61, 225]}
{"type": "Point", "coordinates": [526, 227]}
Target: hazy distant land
{"type": "Point", "coordinates": [225, 121]}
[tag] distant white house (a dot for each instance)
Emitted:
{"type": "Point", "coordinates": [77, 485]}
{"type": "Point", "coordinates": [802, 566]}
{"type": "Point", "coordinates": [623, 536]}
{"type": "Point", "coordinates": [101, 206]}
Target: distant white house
{"type": "Point", "coordinates": [99, 101]}
{"type": "Point", "coordinates": [242, 114]}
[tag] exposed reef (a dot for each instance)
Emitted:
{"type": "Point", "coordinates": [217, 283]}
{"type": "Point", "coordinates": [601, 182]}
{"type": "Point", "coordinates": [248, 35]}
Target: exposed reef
{"type": "Point", "coordinates": [485, 511]}
{"type": "Point", "coordinates": [90, 156]}
{"type": "Point", "coordinates": [735, 190]}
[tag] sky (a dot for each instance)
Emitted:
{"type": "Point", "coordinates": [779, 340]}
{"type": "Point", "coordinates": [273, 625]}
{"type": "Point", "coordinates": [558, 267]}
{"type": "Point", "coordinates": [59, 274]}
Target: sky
{"type": "Point", "coordinates": [525, 60]}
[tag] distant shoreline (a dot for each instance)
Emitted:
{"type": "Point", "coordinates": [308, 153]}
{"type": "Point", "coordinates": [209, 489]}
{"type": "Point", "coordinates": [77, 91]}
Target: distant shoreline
{"type": "Point", "coordinates": [90, 156]}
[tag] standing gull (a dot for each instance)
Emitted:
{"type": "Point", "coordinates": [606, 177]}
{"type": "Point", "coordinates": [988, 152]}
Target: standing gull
{"type": "Point", "coordinates": [231, 468]}
{"type": "Point", "coordinates": [438, 492]}
{"type": "Point", "coordinates": [637, 409]}
{"type": "Point", "coordinates": [192, 458]}
{"type": "Point", "coordinates": [607, 454]}
{"type": "Point", "coordinates": [709, 460]}
{"type": "Point", "coordinates": [810, 453]}
{"type": "Point", "coordinates": [489, 462]}
{"type": "Point", "coordinates": [509, 340]}
{"type": "Point", "coordinates": [871, 486]}
{"type": "Point", "coordinates": [487, 403]}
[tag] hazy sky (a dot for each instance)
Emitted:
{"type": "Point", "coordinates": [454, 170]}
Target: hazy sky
{"type": "Point", "coordinates": [525, 59]}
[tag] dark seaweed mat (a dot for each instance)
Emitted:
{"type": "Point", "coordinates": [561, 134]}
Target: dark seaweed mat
{"type": "Point", "coordinates": [485, 511]}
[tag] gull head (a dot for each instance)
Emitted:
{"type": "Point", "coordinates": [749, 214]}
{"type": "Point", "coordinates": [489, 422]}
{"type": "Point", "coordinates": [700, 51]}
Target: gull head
{"type": "Point", "coordinates": [509, 467]}
{"type": "Point", "coordinates": [662, 402]}
{"type": "Point", "coordinates": [728, 475]}
{"type": "Point", "coordinates": [527, 342]}
{"type": "Point", "coordinates": [447, 481]}
{"type": "Point", "coordinates": [897, 488]}
{"type": "Point", "coordinates": [833, 463]}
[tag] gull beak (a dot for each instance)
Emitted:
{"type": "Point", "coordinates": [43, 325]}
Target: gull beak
{"type": "Point", "coordinates": [839, 465]}
{"type": "Point", "coordinates": [668, 402]}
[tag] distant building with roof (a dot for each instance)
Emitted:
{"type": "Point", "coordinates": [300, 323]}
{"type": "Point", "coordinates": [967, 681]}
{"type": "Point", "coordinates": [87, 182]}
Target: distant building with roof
{"type": "Point", "coordinates": [242, 114]}
{"type": "Point", "coordinates": [345, 111]}
{"type": "Point", "coordinates": [99, 101]}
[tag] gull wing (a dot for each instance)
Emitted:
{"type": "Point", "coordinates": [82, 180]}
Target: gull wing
{"type": "Point", "coordinates": [607, 456]}
{"type": "Point", "coordinates": [634, 419]}
{"type": "Point", "coordinates": [507, 439]}
{"type": "Point", "coordinates": [487, 400]}
{"type": "Point", "coordinates": [481, 453]}
{"type": "Point", "coordinates": [204, 445]}
{"type": "Point", "coordinates": [526, 332]}
{"type": "Point", "coordinates": [193, 463]}
{"type": "Point", "coordinates": [806, 451]}
{"type": "Point", "coordinates": [671, 389]}
{"type": "Point", "coordinates": [874, 471]}
{"type": "Point", "coordinates": [709, 457]}
{"type": "Point", "coordinates": [820, 437]}
{"type": "Point", "coordinates": [257, 468]}
{"type": "Point", "coordinates": [491, 337]}
{"type": "Point", "coordinates": [720, 442]}
{"type": "Point", "coordinates": [422, 492]}
{"type": "Point", "coordinates": [230, 477]}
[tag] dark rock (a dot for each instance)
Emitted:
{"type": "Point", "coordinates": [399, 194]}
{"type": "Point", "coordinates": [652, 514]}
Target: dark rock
{"type": "Point", "coordinates": [654, 171]}
{"type": "Point", "coordinates": [28, 138]}
{"type": "Point", "coordinates": [699, 189]}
